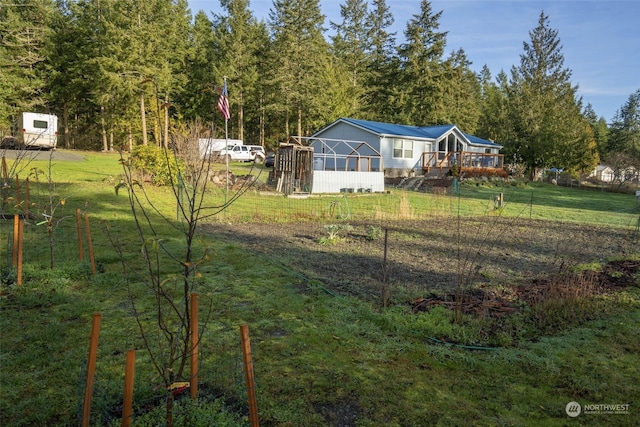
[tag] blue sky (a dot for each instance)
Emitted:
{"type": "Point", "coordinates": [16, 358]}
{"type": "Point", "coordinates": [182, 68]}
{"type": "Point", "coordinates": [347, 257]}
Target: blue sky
{"type": "Point", "coordinates": [600, 39]}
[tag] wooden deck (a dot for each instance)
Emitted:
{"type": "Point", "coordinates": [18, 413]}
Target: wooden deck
{"type": "Point", "coordinates": [471, 164]}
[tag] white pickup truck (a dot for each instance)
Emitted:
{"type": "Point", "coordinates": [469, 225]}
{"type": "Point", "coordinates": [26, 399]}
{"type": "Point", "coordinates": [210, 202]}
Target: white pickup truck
{"type": "Point", "coordinates": [242, 153]}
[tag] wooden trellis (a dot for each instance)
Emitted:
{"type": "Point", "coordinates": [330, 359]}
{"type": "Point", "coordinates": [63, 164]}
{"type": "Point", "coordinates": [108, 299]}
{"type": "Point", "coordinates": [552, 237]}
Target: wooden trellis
{"type": "Point", "coordinates": [293, 168]}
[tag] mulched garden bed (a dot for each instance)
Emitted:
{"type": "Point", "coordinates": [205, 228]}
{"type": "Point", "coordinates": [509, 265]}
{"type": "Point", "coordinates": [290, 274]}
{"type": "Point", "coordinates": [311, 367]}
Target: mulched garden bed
{"type": "Point", "coordinates": [614, 276]}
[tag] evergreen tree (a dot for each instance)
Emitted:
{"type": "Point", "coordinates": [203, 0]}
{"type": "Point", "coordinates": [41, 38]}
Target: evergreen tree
{"type": "Point", "coordinates": [199, 99]}
{"type": "Point", "coordinates": [257, 122]}
{"type": "Point", "coordinates": [301, 54]}
{"type": "Point", "coordinates": [382, 86]}
{"type": "Point", "coordinates": [62, 39]}
{"type": "Point", "coordinates": [236, 38]}
{"type": "Point", "coordinates": [460, 94]}
{"type": "Point", "coordinates": [494, 123]}
{"type": "Point", "coordinates": [582, 156]}
{"type": "Point", "coordinates": [625, 129]}
{"type": "Point", "coordinates": [140, 61]}
{"type": "Point", "coordinates": [422, 70]}
{"type": "Point", "coordinates": [25, 29]}
{"type": "Point", "coordinates": [599, 128]}
{"type": "Point", "coordinates": [545, 113]}
{"type": "Point", "coordinates": [350, 45]}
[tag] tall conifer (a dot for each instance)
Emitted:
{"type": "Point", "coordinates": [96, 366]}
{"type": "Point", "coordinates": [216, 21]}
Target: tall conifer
{"type": "Point", "coordinates": [545, 111]}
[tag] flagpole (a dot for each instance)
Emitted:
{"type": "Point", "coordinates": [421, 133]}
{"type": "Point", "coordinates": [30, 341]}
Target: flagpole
{"type": "Point", "coordinates": [223, 106]}
{"type": "Point", "coordinates": [226, 137]}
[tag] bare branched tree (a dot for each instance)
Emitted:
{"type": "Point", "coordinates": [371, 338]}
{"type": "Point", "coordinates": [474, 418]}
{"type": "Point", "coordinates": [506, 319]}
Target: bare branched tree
{"type": "Point", "coordinates": [161, 284]}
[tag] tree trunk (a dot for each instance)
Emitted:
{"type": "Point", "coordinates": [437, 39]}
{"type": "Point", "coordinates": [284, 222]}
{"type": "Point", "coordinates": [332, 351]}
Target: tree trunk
{"type": "Point", "coordinates": [240, 118]}
{"type": "Point", "coordinates": [65, 118]}
{"type": "Point", "coordinates": [166, 120]}
{"type": "Point", "coordinates": [104, 129]}
{"type": "Point", "coordinates": [169, 414]}
{"type": "Point", "coordinates": [262, 130]}
{"type": "Point", "coordinates": [144, 119]}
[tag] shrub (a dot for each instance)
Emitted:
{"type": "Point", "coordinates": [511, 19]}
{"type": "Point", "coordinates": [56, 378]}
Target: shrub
{"type": "Point", "coordinates": [160, 166]}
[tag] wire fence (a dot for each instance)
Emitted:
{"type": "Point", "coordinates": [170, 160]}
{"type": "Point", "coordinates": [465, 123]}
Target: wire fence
{"type": "Point", "coordinates": [220, 377]}
{"type": "Point", "coordinates": [52, 240]}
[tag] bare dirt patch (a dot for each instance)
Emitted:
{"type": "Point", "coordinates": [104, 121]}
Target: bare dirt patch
{"type": "Point", "coordinates": [435, 255]}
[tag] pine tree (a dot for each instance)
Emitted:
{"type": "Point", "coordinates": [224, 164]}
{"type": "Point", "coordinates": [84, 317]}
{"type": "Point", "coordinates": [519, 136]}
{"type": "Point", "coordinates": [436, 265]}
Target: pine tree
{"type": "Point", "coordinates": [460, 96]}
{"type": "Point", "coordinates": [422, 70]}
{"type": "Point", "coordinates": [141, 51]}
{"type": "Point", "coordinates": [198, 100]}
{"type": "Point", "coordinates": [382, 86]}
{"type": "Point", "coordinates": [599, 128]}
{"type": "Point", "coordinates": [545, 112]}
{"type": "Point", "coordinates": [236, 37]}
{"type": "Point", "coordinates": [625, 129]}
{"type": "Point", "coordinates": [494, 123]}
{"type": "Point", "coordinates": [25, 29]}
{"type": "Point", "coordinates": [301, 54]}
{"type": "Point", "coordinates": [350, 45]}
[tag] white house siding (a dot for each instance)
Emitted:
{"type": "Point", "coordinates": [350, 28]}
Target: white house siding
{"type": "Point", "coordinates": [391, 162]}
{"type": "Point", "coordinates": [338, 181]}
{"type": "Point", "coordinates": [424, 140]}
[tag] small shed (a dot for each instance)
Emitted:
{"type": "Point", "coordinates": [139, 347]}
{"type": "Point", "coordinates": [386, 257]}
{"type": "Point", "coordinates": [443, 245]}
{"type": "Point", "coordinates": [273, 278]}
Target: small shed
{"type": "Point", "coordinates": [293, 168]}
{"type": "Point", "coordinates": [603, 173]}
{"type": "Point", "coordinates": [320, 165]}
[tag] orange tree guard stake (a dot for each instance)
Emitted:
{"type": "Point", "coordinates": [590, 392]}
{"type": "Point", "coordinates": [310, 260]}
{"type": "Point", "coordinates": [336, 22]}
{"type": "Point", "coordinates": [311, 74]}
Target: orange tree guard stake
{"type": "Point", "coordinates": [5, 174]}
{"type": "Point", "coordinates": [91, 369]}
{"type": "Point", "coordinates": [248, 375]}
{"type": "Point", "coordinates": [128, 388]}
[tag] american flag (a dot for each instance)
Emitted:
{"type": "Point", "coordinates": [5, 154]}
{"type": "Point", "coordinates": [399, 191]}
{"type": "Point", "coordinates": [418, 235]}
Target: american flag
{"type": "Point", "coordinates": [223, 103]}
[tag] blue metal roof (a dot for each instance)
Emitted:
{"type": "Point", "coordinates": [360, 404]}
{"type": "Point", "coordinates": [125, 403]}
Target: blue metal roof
{"type": "Point", "coordinates": [399, 130]}
{"type": "Point", "coordinates": [480, 141]}
{"type": "Point", "coordinates": [429, 132]}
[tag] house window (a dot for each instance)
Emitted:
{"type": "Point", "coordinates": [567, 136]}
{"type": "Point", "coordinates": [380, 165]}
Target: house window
{"type": "Point", "coordinates": [451, 139]}
{"type": "Point", "coordinates": [402, 148]}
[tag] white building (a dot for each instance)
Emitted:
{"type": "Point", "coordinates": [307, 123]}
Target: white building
{"type": "Point", "coordinates": [408, 150]}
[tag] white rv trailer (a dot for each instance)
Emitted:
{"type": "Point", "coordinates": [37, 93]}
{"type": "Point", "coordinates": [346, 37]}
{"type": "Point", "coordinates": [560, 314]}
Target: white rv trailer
{"type": "Point", "coordinates": [34, 130]}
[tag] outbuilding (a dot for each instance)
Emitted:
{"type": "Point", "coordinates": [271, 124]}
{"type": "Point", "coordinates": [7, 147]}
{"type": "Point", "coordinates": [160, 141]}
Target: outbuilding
{"type": "Point", "coordinates": [318, 165]}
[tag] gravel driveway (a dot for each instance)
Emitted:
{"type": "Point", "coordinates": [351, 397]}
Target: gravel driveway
{"type": "Point", "coordinates": [59, 155]}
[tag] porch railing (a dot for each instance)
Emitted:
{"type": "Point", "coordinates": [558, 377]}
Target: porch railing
{"type": "Point", "coordinates": [464, 159]}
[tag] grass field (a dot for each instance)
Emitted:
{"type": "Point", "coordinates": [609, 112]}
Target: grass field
{"type": "Point", "coordinates": [322, 357]}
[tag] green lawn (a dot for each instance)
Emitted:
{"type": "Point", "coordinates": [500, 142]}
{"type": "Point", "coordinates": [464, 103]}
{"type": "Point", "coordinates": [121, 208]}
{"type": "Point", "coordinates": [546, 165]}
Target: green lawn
{"type": "Point", "coordinates": [320, 358]}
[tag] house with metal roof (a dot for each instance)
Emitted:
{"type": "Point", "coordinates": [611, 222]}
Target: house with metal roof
{"type": "Point", "coordinates": [416, 150]}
